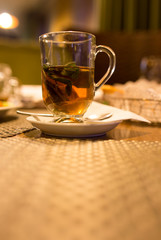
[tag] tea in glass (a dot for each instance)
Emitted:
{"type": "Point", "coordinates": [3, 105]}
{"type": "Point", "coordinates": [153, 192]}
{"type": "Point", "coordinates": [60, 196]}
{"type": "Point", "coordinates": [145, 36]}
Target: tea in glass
{"type": "Point", "coordinates": [68, 89]}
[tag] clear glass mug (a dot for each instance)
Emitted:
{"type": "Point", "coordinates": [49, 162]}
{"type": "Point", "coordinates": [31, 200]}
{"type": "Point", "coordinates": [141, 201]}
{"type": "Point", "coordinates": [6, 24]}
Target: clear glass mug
{"type": "Point", "coordinates": [67, 62]}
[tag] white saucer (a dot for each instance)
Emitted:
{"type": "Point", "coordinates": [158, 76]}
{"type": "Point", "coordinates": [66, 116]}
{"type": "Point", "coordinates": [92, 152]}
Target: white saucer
{"type": "Point", "coordinates": [72, 129]}
{"type": "Point", "coordinates": [87, 129]}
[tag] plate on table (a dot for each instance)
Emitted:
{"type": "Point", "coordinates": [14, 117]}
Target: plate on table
{"type": "Point", "coordinates": [87, 129]}
{"type": "Point", "coordinates": [5, 109]}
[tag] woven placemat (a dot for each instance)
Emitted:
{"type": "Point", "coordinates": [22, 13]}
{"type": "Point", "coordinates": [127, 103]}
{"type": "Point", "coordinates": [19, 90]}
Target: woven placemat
{"type": "Point", "coordinates": [14, 124]}
{"type": "Point", "coordinates": [63, 189]}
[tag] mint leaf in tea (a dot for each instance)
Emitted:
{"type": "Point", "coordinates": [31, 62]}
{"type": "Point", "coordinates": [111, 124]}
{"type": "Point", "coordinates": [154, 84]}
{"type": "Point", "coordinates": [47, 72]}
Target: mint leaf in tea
{"type": "Point", "coordinates": [67, 89]}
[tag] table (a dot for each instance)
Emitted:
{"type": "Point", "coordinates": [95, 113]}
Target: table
{"type": "Point", "coordinates": [105, 188]}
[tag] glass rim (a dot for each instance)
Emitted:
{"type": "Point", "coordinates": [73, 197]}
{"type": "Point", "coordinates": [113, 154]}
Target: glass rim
{"type": "Point", "coordinates": [43, 37]}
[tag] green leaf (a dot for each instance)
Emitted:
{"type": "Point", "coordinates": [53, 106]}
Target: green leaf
{"type": "Point", "coordinates": [71, 70]}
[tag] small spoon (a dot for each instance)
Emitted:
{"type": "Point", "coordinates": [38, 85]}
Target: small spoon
{"type": "Point", "coordinates": [95, 117]}
{"type": "Point", "coordinates": [92, 117]}
{"type": "Point", "coordinates": [35, 114]}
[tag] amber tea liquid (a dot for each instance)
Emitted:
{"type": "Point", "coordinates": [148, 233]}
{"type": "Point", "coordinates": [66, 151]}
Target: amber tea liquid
{"type": "Point", "coordinates": [68, 89]}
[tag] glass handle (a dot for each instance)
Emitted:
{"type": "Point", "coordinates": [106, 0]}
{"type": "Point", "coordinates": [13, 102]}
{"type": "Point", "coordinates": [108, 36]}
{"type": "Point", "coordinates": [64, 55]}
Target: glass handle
{"type": "Point", "coordinates": [112, 64]}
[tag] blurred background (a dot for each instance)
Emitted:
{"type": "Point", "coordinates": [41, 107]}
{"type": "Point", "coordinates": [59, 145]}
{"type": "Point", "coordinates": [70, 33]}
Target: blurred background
{"type": "Point", "coordinates": [131, 27]}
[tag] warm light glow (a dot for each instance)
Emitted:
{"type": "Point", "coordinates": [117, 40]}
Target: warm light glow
{"type": "Point", "coordinates": [8, 21]}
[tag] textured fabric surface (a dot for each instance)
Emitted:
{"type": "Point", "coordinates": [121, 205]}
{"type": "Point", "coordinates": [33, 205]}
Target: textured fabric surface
{"type": "Point", "coordinates": [66, 189]}
{"type": "Point", "coordinates": [11, 125]}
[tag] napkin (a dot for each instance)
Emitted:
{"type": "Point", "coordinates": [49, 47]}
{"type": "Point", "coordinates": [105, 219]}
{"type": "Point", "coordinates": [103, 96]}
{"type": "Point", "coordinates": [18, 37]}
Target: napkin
{"type": "Point", "coordinates": [31, 96]}
{"type": "Point", "coordinates": [117, 114]}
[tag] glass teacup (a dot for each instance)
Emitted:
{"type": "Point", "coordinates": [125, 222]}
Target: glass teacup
{"type": "Point", "coordinates": [68, 61]}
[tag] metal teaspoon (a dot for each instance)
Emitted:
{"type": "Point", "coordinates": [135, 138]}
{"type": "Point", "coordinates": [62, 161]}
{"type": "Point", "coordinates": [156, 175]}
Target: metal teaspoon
{"type": "Point", "coordinates": [90, 118]}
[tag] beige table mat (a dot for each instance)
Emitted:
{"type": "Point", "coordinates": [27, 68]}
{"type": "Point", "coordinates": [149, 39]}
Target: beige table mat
{"type": "Point", "coordinates": [14, 124]}
{"type": "Point", "coordinates": [63, 189]}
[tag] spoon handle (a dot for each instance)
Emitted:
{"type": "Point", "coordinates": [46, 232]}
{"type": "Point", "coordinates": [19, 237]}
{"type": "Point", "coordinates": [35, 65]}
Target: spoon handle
{"type": "Point", "coordinates": [35, 114]}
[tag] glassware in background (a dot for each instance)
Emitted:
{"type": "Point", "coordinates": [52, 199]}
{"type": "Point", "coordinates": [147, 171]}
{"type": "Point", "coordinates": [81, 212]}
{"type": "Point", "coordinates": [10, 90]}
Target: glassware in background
{"type": "Point", "coordinates": [9, 85]}
{"type": "Point", "coordinates": [5, 74]}
{"type": "Point", "coordinates": [15, 94]}
{"type": "Point", "coordinates": [150, 67]}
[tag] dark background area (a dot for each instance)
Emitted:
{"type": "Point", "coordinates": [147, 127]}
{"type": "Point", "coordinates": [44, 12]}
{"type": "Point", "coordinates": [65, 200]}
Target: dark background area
{"type": "Point", "coordinates": [132, 28]}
